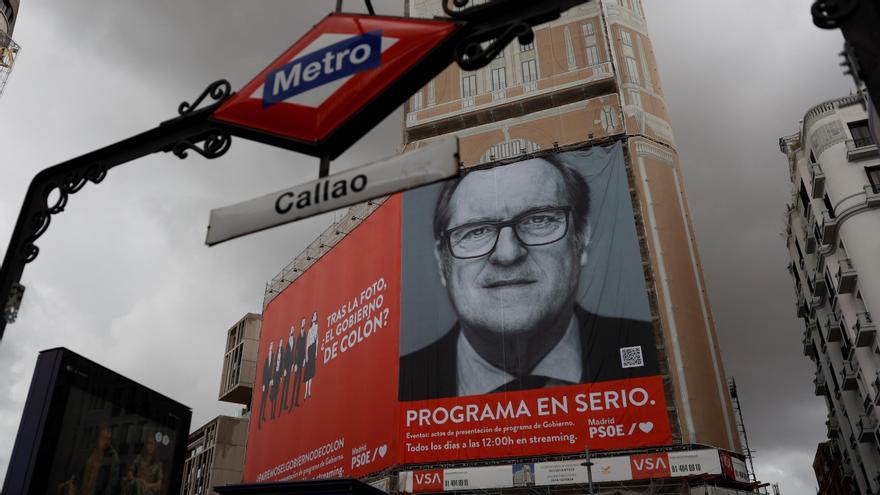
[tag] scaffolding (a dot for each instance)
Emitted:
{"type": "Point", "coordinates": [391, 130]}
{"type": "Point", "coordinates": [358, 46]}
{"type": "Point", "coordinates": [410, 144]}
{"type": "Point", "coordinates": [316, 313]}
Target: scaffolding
{"type": "Point", "coordinates": [8, 52]}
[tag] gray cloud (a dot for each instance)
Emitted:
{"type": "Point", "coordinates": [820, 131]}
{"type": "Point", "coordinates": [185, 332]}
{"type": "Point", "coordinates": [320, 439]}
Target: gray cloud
{"type": "Point", "coordinates": [124, 276]}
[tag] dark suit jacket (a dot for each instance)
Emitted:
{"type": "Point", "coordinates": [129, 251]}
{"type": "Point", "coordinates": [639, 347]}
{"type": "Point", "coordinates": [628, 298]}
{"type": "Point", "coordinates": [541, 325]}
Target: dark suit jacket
{"type": "Point", "coordinates": [432, 373]}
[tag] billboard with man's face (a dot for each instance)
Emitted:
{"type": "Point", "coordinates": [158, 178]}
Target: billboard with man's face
{"type": "Point", "coordinates": [519, 325]}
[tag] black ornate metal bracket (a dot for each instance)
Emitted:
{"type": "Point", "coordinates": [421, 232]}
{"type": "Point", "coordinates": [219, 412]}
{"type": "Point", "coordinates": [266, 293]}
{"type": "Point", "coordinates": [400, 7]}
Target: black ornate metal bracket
{"type": "Point", "coordinates": [50, 190]}
{"type": "Point", "coordinates": [491, 26]}
{"type": "Point", "coordinates": [827, 14]}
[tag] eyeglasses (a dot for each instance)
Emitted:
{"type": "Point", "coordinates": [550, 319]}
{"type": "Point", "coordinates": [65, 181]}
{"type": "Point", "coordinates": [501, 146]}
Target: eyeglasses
{"type": "Point", "coordinates": [532, 228]}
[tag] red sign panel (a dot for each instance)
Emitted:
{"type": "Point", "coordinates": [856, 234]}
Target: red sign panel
{"type": "Point", "coordinates": [394, 344]}
{"type": "Point", "coordinates": [326, 77]}
{"type": "Point", "coordinates": [648, 466]}
{"type": "Point", "coordinates": [326, 404]}
{"type": "Point", "coordinates": [606, 415]}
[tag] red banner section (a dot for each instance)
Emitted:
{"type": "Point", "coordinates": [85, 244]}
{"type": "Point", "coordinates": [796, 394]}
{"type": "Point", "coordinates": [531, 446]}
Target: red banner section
{"type": "Point", "coordinates": [606, 415]}
{"type": "Point", "coordinates": [325, 405]}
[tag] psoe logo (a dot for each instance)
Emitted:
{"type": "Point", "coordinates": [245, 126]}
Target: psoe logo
{"type": "Point", "coordinates": [322, 66]}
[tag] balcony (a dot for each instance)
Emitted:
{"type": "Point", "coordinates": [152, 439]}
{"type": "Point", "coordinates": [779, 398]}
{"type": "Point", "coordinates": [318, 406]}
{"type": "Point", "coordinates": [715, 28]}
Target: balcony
{"type": "Point", "coordinates": [820, 386]}
{"type": "Point", "coordinates": [876, 386]}
{"type": "Point", "coordinates": [864, 329]}
{"type": "Point", "coordinates": [811, 241]}
{"type": "Point", "coordinates": [867, 428]}
{"type": "Point", "coordinates": [809, 346]}
{"type": "Point", "coordinates": [860, 149]}
{"type": "Point", "coordinates": [848, 377]}
{"type": "Point", "coordinates": [872, 195]}
{"type": "Point", "coordinates": [802, 309]}
{"type": "Point", "coordinates": [820, 288]}
{"type": "Point", "coordinates": [818, 181]}
{"type": "Point", "coordinates": [833, 427]}
{"type": "Point", "coordinates": [828, 228]}
{"type": "Point", "coordinates": [846, 277]}
{"type": "Point", "coordinates": [835, 332]}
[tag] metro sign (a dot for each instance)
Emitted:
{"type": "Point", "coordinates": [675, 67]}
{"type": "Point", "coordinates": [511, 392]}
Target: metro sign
{"type": "Point", "coordinates": [325, 91]}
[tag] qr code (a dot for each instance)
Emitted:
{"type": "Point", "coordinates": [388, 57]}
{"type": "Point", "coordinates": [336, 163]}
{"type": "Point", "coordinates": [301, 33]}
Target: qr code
{"type": "Point", "coordinates": [631, 357]}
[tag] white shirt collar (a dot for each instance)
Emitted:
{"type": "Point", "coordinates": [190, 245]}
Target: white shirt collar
{"type": "Point", "coordinates": [477, 376]}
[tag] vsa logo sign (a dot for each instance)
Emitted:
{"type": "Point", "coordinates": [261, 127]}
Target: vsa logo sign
{"type": "Point", "coordinates": [342, 59]}
{"type": "Point", "coordinates": [649, 466]}
{"type": "Point", "coordinates": [428, 481]}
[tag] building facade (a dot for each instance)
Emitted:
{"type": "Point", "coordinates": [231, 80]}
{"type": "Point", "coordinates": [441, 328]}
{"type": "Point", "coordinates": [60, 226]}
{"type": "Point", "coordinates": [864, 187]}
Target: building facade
{"type": "Point", "coordinates": [831, 231]}
{"type": "Point", "coordinates": [588, 79]}
{"type": "Point", "coordinates": [215, 455]}
{"type": "Point", "coordinates": [591, 78]}
{"type": "Point", "coordinates": [240, 361]}
{"type": "Point", "coordinates": [8, 47]}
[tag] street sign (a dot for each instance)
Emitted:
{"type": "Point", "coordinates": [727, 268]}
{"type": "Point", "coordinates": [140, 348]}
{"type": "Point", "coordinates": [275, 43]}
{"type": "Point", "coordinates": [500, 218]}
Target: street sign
{"type": "Point", "coordinates": [432, 163]}
{"type": "Point", "coordinates": [322, 94]}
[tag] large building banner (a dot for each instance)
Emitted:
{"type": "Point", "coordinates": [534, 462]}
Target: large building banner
{"type": "Point", "coordinates": [525, 320]}
{"type": "Point", "coordinates": [497, 315]}
{"type": "Point", "coordinates": [325, 398]}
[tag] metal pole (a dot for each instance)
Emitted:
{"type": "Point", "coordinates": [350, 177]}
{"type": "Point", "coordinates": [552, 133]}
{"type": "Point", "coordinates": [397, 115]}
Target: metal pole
{"type": "Point", "coordinates": [324, 171]}
{"type": "Point", "coordinates": [589, 465]}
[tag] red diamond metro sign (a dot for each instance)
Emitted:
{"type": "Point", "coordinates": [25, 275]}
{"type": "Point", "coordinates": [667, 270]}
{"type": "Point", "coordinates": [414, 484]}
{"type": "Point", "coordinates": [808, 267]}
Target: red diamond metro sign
{"type": "Point", "coordinates": [334, 84]}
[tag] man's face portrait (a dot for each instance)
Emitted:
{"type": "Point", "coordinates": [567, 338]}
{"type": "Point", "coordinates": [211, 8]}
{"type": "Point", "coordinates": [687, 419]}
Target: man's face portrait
{"type": "Point", "coordinates": [511, 262]}
{"type": "Point", "coordinates": [521, 276]}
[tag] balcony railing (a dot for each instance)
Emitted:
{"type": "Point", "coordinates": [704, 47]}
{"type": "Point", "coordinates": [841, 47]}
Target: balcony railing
{"type": "Point", "coordinates": [818, 180]}
{"type": "Point", "coordinates": [834, 329]}
{"type": "Point", "coordinates": [867, 428]}
{"type": "Point", "coordinates": [848, 377]}
{"type": "Point", "coordinates": [872, 194]}
{"type": "Point", "coordinates": [860, 149]}
{"type": "Point", "coordinates": [876, 385]}
{"type": "Point", "coordinates": [819, 384]}
{"type": "Point", "coordinates": [820, 288]}
{"type": "Point", "coordinates": [864, 329]}
{"type": "Point", "coordinates": [828, 228]}
{"type": "Point", "coordinates": [809, 346]}
{"type": "Point", "coordinates": [833, 427]}
{"type": "Point", "coordinates": [846, 276]}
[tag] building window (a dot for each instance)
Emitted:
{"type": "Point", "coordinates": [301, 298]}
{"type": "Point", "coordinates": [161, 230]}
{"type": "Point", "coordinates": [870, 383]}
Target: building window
{"type": "Point", "coordinates": [861, 134]}
{"type": "Point", "coordinates": [588, 29]}
{"type": "Point", "coordinates": [417, 102]}
{"type": "Point", "coordinates": [527, 48]}
{"type": "Point", "coordinates": [6, 10]}
{"type": "Point", "coordinates": [529, 71]}
{"type": "Point", "coordinates": [637, 7]}
{"type": "Point", "coordinates": [499, 79]}
{"type": "Point", "coordinates": [592, 55]}
{"type": "Point", "coordinates": [635, 98]}
{"type": "Point", "coordinates": [469, 86]}
{"type": "Point", "coordinates": [874, 177]}
{"type": "Point", "coordinates": [633, 70]}
{"type": "Point", "coordinates": [569, 49]}
{"type": "Point", "coordinates": [625, 38]}
{"type": "Point", "coordinates": [509, 149]}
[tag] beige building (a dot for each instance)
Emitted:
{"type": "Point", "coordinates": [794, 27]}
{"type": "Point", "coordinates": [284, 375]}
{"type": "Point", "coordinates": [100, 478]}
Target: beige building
{"type": "Point", "coordinates": [215, 455]}
{"type": "Point", "coordinates": [240, 361]}
{"type": "Point", "coordinates": [8, 47]}
{"type": "Point", "coordinates": [589, 78]}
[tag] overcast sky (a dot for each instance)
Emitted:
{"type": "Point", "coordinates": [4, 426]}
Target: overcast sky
{"type": "Point", "coordinates": [124, 277]}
